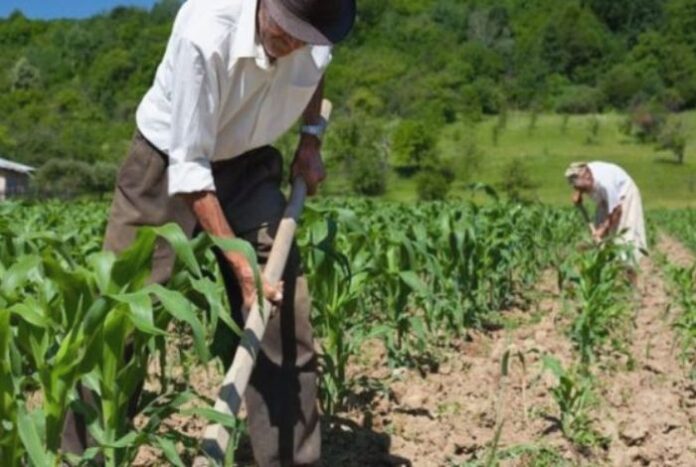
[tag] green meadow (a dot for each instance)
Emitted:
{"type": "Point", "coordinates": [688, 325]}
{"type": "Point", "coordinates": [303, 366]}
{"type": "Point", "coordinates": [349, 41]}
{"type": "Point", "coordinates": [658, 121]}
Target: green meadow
{"type": "Point", "coordinates": [545, 148]}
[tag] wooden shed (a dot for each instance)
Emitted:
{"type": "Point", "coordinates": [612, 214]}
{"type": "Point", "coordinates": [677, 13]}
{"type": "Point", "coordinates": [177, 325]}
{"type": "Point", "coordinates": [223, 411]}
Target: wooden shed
{"type": "Point", "coordinates": [14, 178]}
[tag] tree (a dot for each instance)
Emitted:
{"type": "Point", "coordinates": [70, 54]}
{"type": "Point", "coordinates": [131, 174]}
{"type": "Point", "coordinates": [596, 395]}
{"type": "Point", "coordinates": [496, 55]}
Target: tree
{"type": "Point", "coordinates": [630, 17]}
{"type": "Point", "coordinates": [67, 178]}
{"type": "Point", "coordinates": [413, 145]}
{"type": "Point", "coordinates": [574, 43]}
{"type": "Point", "coordinates": [516, 180]}
{"type": "Point", "coordinates": [673, 138]}
{"type": "Point", "coordinates": [433, 184]}
{"type": "Point", "coordinates": [24, 75]}
{"type": "Point", "coordinates": [355, 144]}
{"type": "Point", "coordinates": [620, 85]}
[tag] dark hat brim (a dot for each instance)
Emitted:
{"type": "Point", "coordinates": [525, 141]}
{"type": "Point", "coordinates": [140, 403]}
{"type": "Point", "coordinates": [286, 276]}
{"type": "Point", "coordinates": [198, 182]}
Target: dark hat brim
{"type": "Point", "coordinates": [324, 34]}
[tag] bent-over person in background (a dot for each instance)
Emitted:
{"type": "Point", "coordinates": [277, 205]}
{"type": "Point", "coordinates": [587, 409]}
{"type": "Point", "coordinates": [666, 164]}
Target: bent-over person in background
{"type": "Point", "coordinates": [619, 206]}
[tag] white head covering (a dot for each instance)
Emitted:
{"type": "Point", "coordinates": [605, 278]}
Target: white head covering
{"type": "Point", "coordinates": [574, 170]}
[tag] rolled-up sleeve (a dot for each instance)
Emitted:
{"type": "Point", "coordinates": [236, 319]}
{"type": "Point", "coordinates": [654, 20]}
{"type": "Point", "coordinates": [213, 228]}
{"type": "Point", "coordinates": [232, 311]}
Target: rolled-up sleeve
{"type": "Point", "coordinates": [195, 114]}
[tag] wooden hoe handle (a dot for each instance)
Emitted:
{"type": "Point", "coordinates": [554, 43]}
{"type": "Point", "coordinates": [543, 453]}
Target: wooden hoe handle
{"type": "Point", "coordinates": [216, 438]}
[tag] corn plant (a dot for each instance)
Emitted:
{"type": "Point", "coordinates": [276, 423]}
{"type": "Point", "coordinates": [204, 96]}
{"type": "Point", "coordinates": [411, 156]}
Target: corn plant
{"type": "Point", "coordinates": [599, 284]}
{"type": "Point", "coordinates": [64, 321]}
{"type": "Point", "coordinates": [336, 290]}
{"type": "Point", "coordinates": [678, 222]}
{"type": "Point", "coordinates": [574, 397]}
{"type": "Point", "coordinates": [683, 288]}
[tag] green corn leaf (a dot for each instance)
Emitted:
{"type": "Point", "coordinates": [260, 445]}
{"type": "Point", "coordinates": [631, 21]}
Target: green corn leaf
{"type": "Point", "coordinates": [180, 244]}
{"type": "Point", "coordinates": [29, 434]}
{"type": "Point", "coordinates": [30, 312]}
{"type": "Point", "coordinates": [414, 282]}
{"type": "Point", "coordinates": [181, 309]}
{"type": "Point", "coordinates": [101, 264]}
{"type": "Point", "coordinates": [242, 246]}
{"type": "Point", "coordinates": [169, 450]}
{"type": "Point", "coordinates": [212, 415]}
{"type": "Point", "coordinates": [139, 309]}
{"type": "Point", "coordinates": [129, 440]}
{"type": "Point", "coordinates": [133, 265]}
{"type": "Point", "coordinates": [505, 363]}
{"type": "Point", "coordinates": [218, 309]}
{"type": "Point", "coordinates": [554, 365]}
{"type": "Point", "coordinates": [18, 273]}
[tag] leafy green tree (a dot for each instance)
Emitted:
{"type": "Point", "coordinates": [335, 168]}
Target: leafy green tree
{"type": "Point", "coordinates": [574, 43]}
{"type": "Point", "coordinates": [628, 16]}
{"type": "Point", "coordinates": [580, 99]}
{"type": "Point", "coordinates": [517, 181]}
{"type": "Point", "coordinates": [355, 146]}
{"type": "Point", "coordinates": [620, 84]}
{"type": "Point", "coordinates": [25, 75]}
{"type": "Point", "coordinates": [67, 178]}
{"type": "Point", "coordinates": [680, 22]}
{"type": "Point", "coordinates": [434, 183]}
{"type": "Point", "coordinates": [673, 138]}
{"type": "Point", "coordinates": [413, 145]}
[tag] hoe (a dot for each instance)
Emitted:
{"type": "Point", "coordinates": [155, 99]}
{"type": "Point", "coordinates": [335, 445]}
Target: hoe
{"type": "Point", "coordinates": [216, 437]}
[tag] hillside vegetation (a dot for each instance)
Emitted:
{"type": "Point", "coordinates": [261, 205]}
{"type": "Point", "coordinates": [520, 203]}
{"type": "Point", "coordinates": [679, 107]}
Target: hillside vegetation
{"type": "Point", "coordinates": [411, 71]}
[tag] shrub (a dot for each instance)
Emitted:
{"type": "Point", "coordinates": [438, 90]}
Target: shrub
{"type": "Point", "coordinates": [516, 180]}
{"type": "Point", "coordinates": [434, 183]}
{"type": "Point", "coordinates": [672, 138]}
{"type": "Point", "coordinates": [356, 145]}
{"type": "Point", "coordinates": [412, 147]}
{"type": "Point", "coordinates": [647, 121]}
{"type": "Point", "coordinates": [580, 100]}
{"type": "Point", "coordinates": [67, 178]}
{"type": "Point", "coordinates": [368, 174]}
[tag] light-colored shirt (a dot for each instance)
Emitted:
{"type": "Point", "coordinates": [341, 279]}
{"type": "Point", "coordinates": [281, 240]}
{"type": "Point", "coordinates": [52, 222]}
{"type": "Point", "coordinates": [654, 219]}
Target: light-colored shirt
{"type": "Point", "coordinates": [216, 93]}
{"type": "Point", "coordinates": [611, 183]}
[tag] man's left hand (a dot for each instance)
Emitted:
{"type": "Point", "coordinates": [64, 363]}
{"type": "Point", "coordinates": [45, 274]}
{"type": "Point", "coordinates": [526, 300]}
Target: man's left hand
{"type": "Point", "coordinates": [308, 163]}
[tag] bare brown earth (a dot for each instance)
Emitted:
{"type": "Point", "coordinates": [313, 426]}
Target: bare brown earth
{"type": "Point", "coordinates": [449, 417]}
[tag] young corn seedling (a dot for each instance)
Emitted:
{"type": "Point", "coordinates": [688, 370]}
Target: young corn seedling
{"type": "Point", "coordinates": [336, 293]}
{"type": "Point", "coordinates": [602, 292]}
{"type": "Point", "coordinates": [574, 398]}
{"type": "Point", "coordinates": [683, 281]}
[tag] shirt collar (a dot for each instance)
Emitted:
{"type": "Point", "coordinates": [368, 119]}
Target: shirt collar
{"type": "Point", "coordinates": [246, 43]}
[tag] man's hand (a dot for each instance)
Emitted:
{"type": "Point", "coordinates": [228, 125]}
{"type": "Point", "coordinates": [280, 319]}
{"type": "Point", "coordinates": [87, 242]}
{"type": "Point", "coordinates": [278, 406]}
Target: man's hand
{"type": "Point", "coordinates": [206, 206]}
{"type": "Point", "coordinates": [577, 197]}
{"type": "Point", "coordinates": [597, 235]}
{"type": "Point", "coordinates": [308, 163]}
{"type": "Point", "coordinates": [245, 276]}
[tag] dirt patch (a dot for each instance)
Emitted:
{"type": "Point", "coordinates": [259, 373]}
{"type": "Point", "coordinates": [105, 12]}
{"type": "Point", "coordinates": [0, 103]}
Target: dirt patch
{"type": "Point", "coordinates": [451, 417]}
{"type": "Point", "coordinates": [675, 251]}
{"type": "Point", "coordinates": [400, 417]}
{"type": "Point", "coordinates": [649, 411]}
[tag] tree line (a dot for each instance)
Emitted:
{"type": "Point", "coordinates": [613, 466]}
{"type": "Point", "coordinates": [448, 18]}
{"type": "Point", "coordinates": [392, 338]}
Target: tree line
{"type": "Point", "coordinates": [69, 88]}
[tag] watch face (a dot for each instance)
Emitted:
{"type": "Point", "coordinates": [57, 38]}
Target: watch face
{"type": "Point", "coordinates": [315, 130]}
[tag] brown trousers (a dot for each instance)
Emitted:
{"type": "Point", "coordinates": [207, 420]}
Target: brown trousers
{"type": "Point", "coordinates": [281, 398]}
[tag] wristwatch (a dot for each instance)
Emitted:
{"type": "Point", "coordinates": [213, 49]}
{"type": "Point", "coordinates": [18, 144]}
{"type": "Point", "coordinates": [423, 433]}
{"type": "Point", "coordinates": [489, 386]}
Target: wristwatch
{"type": "Point", "coordinates": [317, 129]}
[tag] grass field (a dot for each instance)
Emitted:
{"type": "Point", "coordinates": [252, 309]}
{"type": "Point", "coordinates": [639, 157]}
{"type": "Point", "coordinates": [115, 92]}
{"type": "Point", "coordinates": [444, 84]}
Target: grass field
{"type": "Point", "coordinates": [547, 149]}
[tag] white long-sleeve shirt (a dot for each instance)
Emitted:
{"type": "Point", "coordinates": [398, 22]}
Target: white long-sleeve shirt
{"type": "Point", "coordinates": [217, 95]}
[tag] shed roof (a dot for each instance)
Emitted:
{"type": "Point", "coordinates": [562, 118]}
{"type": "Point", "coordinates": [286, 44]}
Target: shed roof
{"type": "Point", "coordinates": [15, 167]}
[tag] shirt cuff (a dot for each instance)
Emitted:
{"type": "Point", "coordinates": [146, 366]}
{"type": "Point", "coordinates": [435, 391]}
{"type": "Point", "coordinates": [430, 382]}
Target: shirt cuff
{"type": "Point", "coordinates": [190, 177]}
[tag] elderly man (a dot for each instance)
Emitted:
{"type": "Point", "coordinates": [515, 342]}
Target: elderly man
{"type": "Point", "coordinates": [235, 76]}
{"type": "Point", "coordinates": [619, 206]}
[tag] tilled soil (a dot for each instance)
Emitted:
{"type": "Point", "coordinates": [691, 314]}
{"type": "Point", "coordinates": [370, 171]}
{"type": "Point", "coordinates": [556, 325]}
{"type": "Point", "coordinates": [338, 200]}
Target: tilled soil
{"type": "Point", "coordinates": [647, 409]}
{"type": "Point", "coordinates": [646, 405]}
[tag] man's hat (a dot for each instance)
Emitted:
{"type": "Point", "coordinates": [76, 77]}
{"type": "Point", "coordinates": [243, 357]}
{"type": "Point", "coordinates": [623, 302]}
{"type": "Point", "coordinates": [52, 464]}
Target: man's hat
{"type": "Point", "coordinates": [316, 22]}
